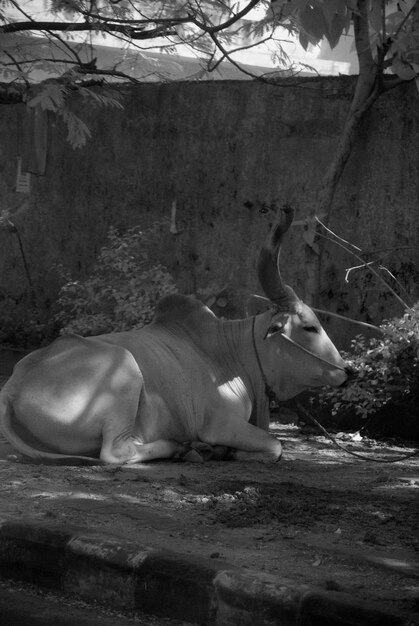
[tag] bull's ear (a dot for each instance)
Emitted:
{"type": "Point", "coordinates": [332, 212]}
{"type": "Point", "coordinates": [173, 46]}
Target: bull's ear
{"type": "Point", "coordinates": [275, 327]}
{"type": "Point", "coordinates": [278, 321]}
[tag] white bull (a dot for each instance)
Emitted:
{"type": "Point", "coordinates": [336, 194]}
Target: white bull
{"type": "Point", "coordinates": [186, 377]}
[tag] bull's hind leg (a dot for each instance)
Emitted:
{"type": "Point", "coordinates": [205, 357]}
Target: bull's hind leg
{"type": "Point", "coordinates": [119, 409]}
{"type": "Point", "coordinates": [120, 445]}
{"type": "Point", "coordinates": [249, 442]}
{"type": "Point", "coordinates": [130, 450]}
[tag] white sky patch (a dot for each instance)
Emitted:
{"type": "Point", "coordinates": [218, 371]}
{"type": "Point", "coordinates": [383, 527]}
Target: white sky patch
{"type": "Point", "coordinates": [262, 55]}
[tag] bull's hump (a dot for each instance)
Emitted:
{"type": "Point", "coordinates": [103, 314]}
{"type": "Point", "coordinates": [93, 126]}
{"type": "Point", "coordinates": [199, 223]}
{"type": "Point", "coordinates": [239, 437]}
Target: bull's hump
{"type": "Point", "coordinates": [182, 310]}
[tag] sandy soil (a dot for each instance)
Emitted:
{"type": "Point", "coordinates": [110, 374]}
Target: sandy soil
{"type": "Point", "coordinates": [319, 517]}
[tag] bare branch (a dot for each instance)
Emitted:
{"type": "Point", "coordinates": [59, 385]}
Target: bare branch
{"type": "Point", "coordinates": [72, 27]}
{"type": "Point", "coordinates": [356, 267]}
{"type": "Point", "coordinates": [169, 21]}
{"type": "Point", "coordinates": [371, 269]}
{"type": "Point", "coordinates": [335, 235]}
{"type": "Point", "coordinates": [404, 20]}
{"type": "Point", "coordinates": [348, 319]}
{"type": "Point", "coordinates": [17, 64]}
{"type": "Point", "coordinates": [235, 18]}
{"type": "Point", "coordinates": [226, 55]}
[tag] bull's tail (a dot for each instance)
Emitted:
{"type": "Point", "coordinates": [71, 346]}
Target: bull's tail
{"type": "Point", "coordinates": [39, 456]}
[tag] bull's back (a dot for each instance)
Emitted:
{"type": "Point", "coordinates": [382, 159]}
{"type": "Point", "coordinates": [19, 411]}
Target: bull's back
{"type": "Point", "coordinates": [183, 386]}
{"type": "Point", "coordinates": [172, 383]}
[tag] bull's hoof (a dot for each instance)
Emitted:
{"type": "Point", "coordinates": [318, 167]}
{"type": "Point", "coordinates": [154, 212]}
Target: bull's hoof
{"type": "Point", "coordinates": [223, 453]}
{"type": "Point", "coordinates": [192, 456]}
{"type": "Point", "coordinates": [16, 458]}
{"type": "Point", "coordinates": [199, 452]}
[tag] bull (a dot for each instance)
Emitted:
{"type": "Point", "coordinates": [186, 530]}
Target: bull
{"type": "Point", "coordinates": [188, 376]}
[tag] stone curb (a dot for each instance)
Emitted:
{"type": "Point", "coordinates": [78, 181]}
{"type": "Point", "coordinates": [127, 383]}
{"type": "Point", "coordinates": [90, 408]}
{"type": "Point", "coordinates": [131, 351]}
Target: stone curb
{"type": "Point", "coordinates": [123, 573]}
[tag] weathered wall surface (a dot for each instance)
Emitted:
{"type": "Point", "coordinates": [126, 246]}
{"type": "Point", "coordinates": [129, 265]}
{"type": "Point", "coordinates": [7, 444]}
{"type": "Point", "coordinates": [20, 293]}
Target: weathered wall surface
{"type": "Point", "coordinates": [221, 150]}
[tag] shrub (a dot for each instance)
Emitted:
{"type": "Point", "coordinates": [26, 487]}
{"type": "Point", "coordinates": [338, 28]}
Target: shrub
{"type": "Point", "coordinates": [122, 290]}
{"type": "Point", "coordinates": [23, 323]}
{"type": "Point", "coordinates": [388, 369]}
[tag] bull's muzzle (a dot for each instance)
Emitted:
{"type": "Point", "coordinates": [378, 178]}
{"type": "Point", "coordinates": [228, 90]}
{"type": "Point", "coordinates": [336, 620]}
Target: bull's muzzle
{"type": "Point", "coordinates": [351, 374]}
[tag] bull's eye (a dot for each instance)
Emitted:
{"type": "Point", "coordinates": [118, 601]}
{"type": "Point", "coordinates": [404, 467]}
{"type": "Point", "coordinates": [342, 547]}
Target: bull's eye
{"type": "Point", "coordinates": [311, 329]}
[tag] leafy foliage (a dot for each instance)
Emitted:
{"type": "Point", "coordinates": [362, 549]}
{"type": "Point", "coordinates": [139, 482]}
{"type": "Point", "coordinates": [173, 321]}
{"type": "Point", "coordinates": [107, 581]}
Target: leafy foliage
{"type": "Point", "coordinates": [393, 33]}
{"type": "Point", "coordinates": [388, 369]}
{"type": "Point", "coordinates": [122, 290]}
{"type": "Point", "coordinates": [213, 30]}
{"type": "Point", "coordinates": [56, 96]}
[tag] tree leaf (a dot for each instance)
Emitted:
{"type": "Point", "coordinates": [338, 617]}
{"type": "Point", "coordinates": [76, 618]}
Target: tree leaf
{"type": "Point", "coordinates": [313, 22]}
{"type": "Point", "coordinates": [393, 20]}
{"type": "Point", "coordinates": [50, 97]}
{"type": "Point", "coordinates": [335, 31]}
{"type": "Point", "coordinates": [303, 39]}
{"type": "Point", "coordinates": [78, 132]}
{"type": "Point", "coordinates": [403, 70]}
{"type": "Point", "coordinates": [329, 12]}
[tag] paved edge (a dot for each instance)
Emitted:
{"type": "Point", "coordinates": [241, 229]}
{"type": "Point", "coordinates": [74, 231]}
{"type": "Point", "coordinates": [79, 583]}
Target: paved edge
{"type": "Point", "coordinates": [123, 573]}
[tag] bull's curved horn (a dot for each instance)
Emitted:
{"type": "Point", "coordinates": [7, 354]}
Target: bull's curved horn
{"type": "Point", "coordinates": [268, 266]}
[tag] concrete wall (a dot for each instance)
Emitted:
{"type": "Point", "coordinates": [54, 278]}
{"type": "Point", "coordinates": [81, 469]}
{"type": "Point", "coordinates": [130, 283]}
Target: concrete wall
{"type": "Point", "coordinates": [221, 150]}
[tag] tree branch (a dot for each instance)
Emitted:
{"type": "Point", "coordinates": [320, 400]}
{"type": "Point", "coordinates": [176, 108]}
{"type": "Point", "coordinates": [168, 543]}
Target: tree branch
{"type": "Point", "coordinates": [135, 29]}
{"type": "Point", "coordinates": [235, 18]}
{"type": "Point", "coordinates": [71, 27]}
{"type": "Point", "coordinates": [366, 92]}
{"type": "Point", "coordinates": [17, 65]}
{"type": "Point", "coordinates": [367, 266]}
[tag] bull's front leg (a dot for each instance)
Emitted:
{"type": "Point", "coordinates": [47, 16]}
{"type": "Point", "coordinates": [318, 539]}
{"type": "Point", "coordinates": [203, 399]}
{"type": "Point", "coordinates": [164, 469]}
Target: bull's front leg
{"type": "Point", "coordinates": [248, 441]}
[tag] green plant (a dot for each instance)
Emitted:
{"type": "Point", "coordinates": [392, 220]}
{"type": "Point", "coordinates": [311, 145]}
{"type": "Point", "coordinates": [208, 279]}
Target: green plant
{"type": "Point", "coordinates": [122, 290]}
{"type": "Point", "coordinates": [388, 369]}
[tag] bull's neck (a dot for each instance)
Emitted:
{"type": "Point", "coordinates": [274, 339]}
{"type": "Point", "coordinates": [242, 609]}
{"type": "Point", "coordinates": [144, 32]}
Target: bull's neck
{"type": "Point", "coordinates": [239, 339]}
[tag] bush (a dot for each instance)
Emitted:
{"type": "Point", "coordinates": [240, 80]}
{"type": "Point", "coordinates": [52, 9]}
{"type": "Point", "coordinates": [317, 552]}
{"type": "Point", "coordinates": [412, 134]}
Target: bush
{"type": "Point", "coordinates": [122, 291]}
{"type": "Point", "coordinates": [388, 369]}
{"type": "Point", "coordinates": [23, 323]}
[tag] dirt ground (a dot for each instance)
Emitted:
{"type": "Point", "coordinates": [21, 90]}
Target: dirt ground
{"type": "Point", "coordinates": [319, 516]}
